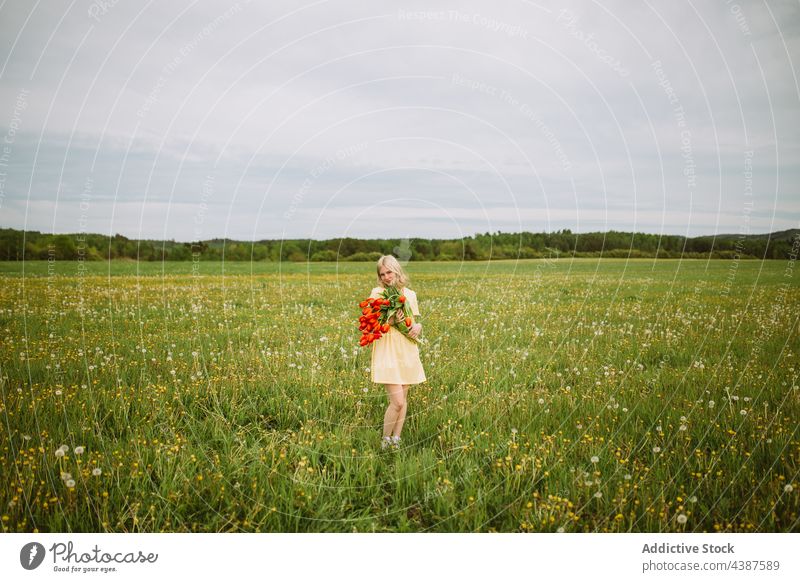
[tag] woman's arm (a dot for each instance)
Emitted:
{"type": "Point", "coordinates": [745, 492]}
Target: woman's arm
{"type": "Point", "coordinates": [416, 329]}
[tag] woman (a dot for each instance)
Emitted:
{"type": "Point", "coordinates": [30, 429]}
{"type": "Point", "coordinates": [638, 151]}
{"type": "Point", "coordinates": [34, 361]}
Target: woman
{"type": "Point", "coordinates": [395, 358]}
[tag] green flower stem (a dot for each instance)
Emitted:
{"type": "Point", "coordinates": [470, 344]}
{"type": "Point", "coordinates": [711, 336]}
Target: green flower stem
{"type": "Point", "coordinates": [393, 295]}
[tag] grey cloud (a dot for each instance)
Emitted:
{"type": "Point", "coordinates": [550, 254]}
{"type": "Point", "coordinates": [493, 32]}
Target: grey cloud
{"type": "Point", "coordinates": [467, 108]}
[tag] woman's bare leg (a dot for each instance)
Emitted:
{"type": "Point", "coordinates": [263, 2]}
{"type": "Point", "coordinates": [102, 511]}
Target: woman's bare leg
{"type": "Point", "coordinates": [397, 403]}
{"type": "Point", "coordinates": [401, 416]}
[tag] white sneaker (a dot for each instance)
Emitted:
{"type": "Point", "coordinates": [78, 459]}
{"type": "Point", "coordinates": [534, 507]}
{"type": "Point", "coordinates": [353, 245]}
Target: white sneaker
{"type": "Point", "coordinates": [386, 442]}
{"type": "Point", "coordinates": [395, 442]}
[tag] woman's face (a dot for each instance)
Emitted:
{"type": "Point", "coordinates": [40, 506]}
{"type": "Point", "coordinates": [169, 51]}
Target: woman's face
{"type": "Point", "coordinates": [387, 276]}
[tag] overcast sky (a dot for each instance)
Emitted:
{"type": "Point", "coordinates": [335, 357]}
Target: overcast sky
{"type": "Point", "coordinates": [194, 120]}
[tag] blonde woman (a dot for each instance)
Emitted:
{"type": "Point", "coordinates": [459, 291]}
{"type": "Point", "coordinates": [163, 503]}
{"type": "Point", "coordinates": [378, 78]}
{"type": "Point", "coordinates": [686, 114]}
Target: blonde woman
{"type": "Point", "coordinates": [395, 359]}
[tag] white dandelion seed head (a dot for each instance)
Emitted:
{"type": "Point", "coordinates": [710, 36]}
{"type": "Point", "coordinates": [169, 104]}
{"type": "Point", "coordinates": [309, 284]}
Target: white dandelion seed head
{"type": "Point", "coordinates": [682, 518]}
{"type": "Point", "coordinates": [788, 488]}
{"type": "Point", "coordinates": [656, 449]}
{"type": "Point", "coordinates": [71, 483]}
{"type": "Point", "coordinates": [693, 499]}
{"type": "Point", "coordinates": [595, 459]}
{"type": "Point", "coordinates": [59, 453]}
{"type": "Point", "coordinates": [97, 471]}
{"type": "Point", "coordinates": [599, 494]}
{"type": "Point", "coordinates": [79, 450]}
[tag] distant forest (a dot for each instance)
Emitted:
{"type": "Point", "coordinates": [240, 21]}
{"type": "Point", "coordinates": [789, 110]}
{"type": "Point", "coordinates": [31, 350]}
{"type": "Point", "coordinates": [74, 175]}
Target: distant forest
{"type": "Point", "coordinates": [16, 245]}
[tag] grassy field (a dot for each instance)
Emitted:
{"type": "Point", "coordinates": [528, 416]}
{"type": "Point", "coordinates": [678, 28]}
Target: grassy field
{"type": "Point", "coordinates": [569, 395]}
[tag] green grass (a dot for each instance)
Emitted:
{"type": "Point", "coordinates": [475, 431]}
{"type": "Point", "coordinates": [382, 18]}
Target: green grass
{"type": "Point", "coordinates": [570, 394]}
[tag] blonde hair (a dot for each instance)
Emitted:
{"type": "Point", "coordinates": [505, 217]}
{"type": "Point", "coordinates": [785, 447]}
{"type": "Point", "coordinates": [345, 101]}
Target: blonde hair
{"type": "Point", "coordinates": [391, 263]}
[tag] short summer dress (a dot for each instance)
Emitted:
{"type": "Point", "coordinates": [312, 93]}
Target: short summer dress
{"type": "Point", "coordinates": [395, 358]}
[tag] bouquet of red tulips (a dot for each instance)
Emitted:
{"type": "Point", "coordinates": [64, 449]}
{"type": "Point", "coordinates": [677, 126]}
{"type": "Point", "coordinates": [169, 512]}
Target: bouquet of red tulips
{"type": "Point", "coordinates": [376, 314]}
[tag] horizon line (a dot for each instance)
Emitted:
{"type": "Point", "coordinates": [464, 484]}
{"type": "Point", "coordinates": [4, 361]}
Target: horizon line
{"type": "Point", "coordinates": [228, 238]}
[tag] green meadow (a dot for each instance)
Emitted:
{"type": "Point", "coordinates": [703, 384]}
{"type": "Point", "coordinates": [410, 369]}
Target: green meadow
{"type": "Point", "coordinates": [574, 395]}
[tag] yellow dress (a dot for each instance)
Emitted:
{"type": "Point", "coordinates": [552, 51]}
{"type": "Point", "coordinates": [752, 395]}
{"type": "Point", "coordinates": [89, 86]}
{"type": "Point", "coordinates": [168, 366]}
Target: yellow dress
{"type": "Point", "coordinates": [395, 358]}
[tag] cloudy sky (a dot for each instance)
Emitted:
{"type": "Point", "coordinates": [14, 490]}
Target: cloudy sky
{"type": "Point", "coordinates": [254, 120]}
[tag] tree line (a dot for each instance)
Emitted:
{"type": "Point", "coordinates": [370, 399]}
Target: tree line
{"type": "Point", "coordinates": [16, 245]}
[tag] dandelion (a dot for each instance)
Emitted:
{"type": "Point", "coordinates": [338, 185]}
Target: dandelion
{"type": "Point", "coordinates": [97, 471]}
{"type": "Point", "coordinates": [788, 488]}
{"type": "Point", "coordinates": [656, 450]}
{"type": "Point", "coordinates": [541, 400]}
{"type": "Point", "coordinates": [628, 477]}
{"type": "Point", "coordinates": [560, 530]}
{"type": "Point", "coordinates": [66, 476]}
{"type": "Point", "coordinates": [682, 518]}
{"type": "Point", "coordinates": [682, 427]}
{"type": "Point", "coordinates": [79, 450]}
{"type": "Point", "coordinates": [58, 392]}
{"type": "Point", "coordinates": [64, 448]}
{"type": "Point", "coordinates": [743, 412]}
{"type": "Point", "coordinates": [71, 483]}
{"type": "Point", "coordinates": [513, 431]}
{"type": "Point", "coordinates": [59, 452]}
{"type": "Point", "coordinates": [711, 404]}
{"type": "Point", "coordinates": [693, 499]}
{"type": "Point", "coordinates": [595, 459]}
{"type": "Point", "coordinates": [599, 494]}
